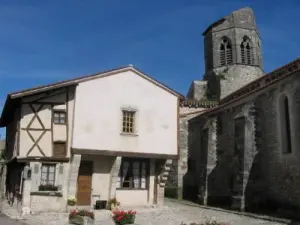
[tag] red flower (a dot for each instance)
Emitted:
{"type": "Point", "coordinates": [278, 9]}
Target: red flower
{"type": "Point", "coordinates": [120, 218]}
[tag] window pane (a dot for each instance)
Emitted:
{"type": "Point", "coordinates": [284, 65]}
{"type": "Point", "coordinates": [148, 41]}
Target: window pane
{"type": "Point", "coordinates": [62, 115]}
{"type": "Point", "coordinates": [62, 120]}
{"type": "Point", "coordinates": [136, 174]}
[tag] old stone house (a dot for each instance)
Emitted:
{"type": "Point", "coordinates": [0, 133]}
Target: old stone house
{"type": "Point", "coordinates": [240, 127]}
{"type": "Point", "coordinates": [94, 138]}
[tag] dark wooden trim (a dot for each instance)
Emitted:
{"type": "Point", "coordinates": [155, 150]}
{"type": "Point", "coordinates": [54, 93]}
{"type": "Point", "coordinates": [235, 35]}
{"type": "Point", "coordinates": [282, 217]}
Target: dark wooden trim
{"type": "Point", "coordinates": [51, 94]}
{"type": "Point", "coordinates": [52, 135]}
{"type": "Point", "coordinates": [19, 130]}
{"type": "Point", "coordinates": [47, 94]}
{"type": "Point", "coordinates": [45, 103]}
{"type": "Point", "coordinates": [43, 159]}
{"type": "Point", "coordinates": [73, 117]}
{"type": "Point", "coordinates": [35, 115]}
{"type": "Point", "coordinates": [178, 128]}
{"type": "Point", "coordinates": [36, 129]}
{"type": "Point", "coordinates": [122, 153]}
{"type": "Point", "coordinates": [35, 143]}
{"type": "Point", "coordinates": [67, 120]}
{"type": "Point", "coordinates": [59, 142]}
{"type": "Point", "coordinates": [47, 193]}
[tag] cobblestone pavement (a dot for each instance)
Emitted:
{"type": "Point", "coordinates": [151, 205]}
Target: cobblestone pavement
{"type": "Point", "coordinates": [5, 220]}
{"type": "Point", "coordinates": [172, 213]}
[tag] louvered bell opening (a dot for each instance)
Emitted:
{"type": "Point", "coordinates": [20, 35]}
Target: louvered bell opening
{"type": "Point", "coordinates": [222, 55]}
{"type": "Point", "coordinates": [228, 54]}
{"type": "Point", "coordinates": [248, 54]}
{"type": "Point", "coordinates": [243, 58]}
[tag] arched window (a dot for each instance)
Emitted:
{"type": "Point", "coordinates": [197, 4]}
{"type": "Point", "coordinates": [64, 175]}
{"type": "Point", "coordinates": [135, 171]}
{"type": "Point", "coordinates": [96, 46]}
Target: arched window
{"type": "Point", "coordinates": [246, 51]}
{"type": "Point", "coordinates": [225, 52]}
{"type": "Point", "coordinates": [285, 124]}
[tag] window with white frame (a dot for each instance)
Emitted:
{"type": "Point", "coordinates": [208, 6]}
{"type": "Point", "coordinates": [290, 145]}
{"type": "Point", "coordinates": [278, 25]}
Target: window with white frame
{"type": "Point", "coordinates": [48, 174]}
{"type": "Point", "coordinates": [59, 117]}
{"type": "Point", "coordinates": [133, 173]}
{"type": "Point", "coordinates": [128, 125]}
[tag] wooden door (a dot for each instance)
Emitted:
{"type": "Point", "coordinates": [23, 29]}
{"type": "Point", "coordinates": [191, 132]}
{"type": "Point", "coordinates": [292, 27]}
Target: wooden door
{"type": "Point", "coordinates": [84, 183]}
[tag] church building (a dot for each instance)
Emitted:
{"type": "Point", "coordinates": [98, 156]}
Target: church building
{"type": "Point", "coordinates": [239, 127]}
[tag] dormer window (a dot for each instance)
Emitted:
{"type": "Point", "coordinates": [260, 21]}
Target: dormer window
{"type": "Point", "coordinates": [225, 52]}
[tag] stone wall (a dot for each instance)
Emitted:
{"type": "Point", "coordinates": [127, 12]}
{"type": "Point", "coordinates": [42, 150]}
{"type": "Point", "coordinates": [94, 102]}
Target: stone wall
{"type": "Point", "coordinates": [251, 171]}
{"type": "Point", "coordinates": [280, 171]}
{"type": "Point", "coordinates": [174, 184]}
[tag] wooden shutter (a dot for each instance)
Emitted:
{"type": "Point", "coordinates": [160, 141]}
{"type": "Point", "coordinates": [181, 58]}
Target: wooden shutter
{"type": "Point", "coordinates": [59, 149]}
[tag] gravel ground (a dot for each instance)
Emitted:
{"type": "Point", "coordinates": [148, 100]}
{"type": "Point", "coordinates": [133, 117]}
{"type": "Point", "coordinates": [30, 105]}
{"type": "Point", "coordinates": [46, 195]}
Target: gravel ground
{"type": "Point", "coordinates": [172, 213]}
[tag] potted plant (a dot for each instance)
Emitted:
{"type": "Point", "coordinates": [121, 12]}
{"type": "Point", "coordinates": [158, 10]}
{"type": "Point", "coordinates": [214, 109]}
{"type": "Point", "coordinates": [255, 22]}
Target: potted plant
{"type": "Point", "coordinates": [48, 187]}
{"type": "Point", "coordinates": [72, 201]}
{"type": "Point", "coordinates": [113, 203]}
{"type": "Point", "coordinates": [81, 217]}
{"type": "Point", "coordinates": [121, 217]}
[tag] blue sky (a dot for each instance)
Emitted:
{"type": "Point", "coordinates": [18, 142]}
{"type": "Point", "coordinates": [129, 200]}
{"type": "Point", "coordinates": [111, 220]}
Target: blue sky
{"type": "Point", "coordinates": [48, 41]}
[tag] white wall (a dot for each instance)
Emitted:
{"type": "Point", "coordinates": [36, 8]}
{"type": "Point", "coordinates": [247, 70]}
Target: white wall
{"type": "Point", "coordinates": [98, 115]}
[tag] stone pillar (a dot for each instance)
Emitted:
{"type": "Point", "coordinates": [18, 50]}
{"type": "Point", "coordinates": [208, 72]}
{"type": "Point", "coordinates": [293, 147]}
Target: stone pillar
{"type": "Point", "coordinates": [160, 179]}
{"type": "Point", "coordinates": [209, 148]}
{"type": "Point", "coordinates": [182, 168]}
{"type": "Point", "coordinates": [245, 150]}
{"type": "Point", "coordinates": [75, 164]}
{"type": "Point", "coordinates": [114, 173]}
{"type": "Point", "coordinates": [26, 193]}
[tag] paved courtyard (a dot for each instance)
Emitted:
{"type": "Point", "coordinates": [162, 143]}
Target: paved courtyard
{"type": "Point", "coordinates": [4, 220]}
{"type": "Point", "coordinates": [173, 213]}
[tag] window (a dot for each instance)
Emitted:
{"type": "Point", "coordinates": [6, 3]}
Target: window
{"type": "Point", "coordinates": [133, 173]}
{"type": "Point", "coordinates": [285, 124]}
{"type": "Point", "coordinates": [128, 121]}
{"type": "Point", "coordinates": [48, 174]}
{"type": "Point", "coordinates": [225, 52]}
{"type": "Point", "coordinates": [246, 56]}
{"type": "Point", "coordinates": [59, 149]}
{"type": "Point", "coordinates": [59, 117]}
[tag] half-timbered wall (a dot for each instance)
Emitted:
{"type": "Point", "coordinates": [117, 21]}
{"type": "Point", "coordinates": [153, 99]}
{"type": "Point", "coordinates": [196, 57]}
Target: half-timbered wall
{"type": "Point", "coordinates": [12, 136]}
{"type": "Point", "coordinates": [38, 131]}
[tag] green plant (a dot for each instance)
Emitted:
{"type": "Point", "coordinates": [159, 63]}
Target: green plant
{"type": "Point", "coordinates": [72, 201]}
{"type": "Point", "coordinates": [48, 187]}
{"type": "Point", "coordinates": [123, 217]}
{"type": "Point", "coordinates": [113, 201]}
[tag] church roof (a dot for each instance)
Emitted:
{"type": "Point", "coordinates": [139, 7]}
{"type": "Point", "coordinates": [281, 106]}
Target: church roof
{"type": "Point", "coordinates": [243, 18]}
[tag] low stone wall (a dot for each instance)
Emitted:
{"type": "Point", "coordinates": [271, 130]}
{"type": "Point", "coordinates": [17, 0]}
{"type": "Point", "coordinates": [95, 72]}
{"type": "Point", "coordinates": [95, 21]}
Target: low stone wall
{"type": "Point", "coordinates": [47, 202]}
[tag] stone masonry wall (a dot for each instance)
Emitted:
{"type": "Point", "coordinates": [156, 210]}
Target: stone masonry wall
{"type": "Point", "coordinates": [282, 171]}
{"type": "Point", "coordinates": [179, 167]}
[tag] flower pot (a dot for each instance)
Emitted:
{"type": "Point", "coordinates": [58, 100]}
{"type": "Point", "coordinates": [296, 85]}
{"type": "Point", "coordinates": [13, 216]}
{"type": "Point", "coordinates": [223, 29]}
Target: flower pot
{"type": "Point", "coordinates": [81, 220]}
